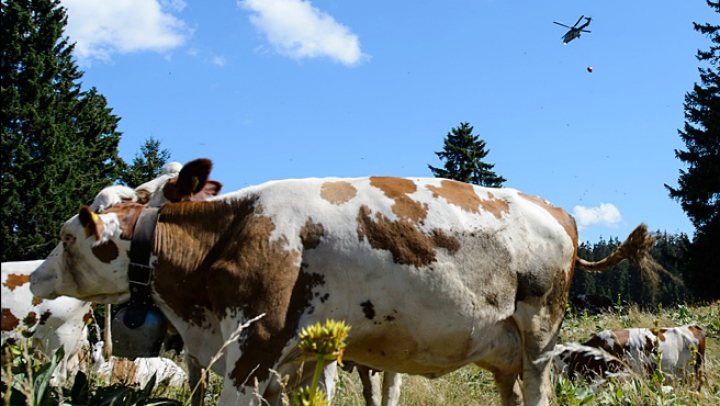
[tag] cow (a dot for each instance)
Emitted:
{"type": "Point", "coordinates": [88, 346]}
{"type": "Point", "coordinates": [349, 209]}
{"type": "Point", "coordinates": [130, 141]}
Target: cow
{"type": "Point", "coordinates": [593, 364]}
{"type": "Point", "coordinates": [49, 324]}
{"type": "Point", "coordinates": [638, 347]}
{"type": "Point", "coordinates": [138, 371]}
{"type": "Point", "coordinates": [176, 183]}
{"type": "Point", "coordinates": [432, 274]}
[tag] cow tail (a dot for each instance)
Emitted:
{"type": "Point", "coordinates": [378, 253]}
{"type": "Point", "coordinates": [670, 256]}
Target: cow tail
{"type": "Point", "coordinates": [635, 248]}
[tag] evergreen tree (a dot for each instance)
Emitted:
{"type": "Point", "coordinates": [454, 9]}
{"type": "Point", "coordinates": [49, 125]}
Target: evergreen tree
{"type": "Point", "coordinates": [699, 185]}
{"type": "Point", "coordinates": [147, 165]}
{"type": "Point", "coordinates": [59, 143]}
{"type": "Point", "coordinates": [463, 154]}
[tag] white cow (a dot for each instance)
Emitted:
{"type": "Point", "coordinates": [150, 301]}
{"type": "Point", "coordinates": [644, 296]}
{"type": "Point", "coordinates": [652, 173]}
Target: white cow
{"type": "Point", "coordinates": [431, 274]}
{"type": "Point", "coordinates": [48, 323]}
{"type": "Point", "coordinates": [138, 371]}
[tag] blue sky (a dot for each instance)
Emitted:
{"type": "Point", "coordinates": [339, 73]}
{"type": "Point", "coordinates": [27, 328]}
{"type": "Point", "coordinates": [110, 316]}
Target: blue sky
{"type": "Point", "coordinates": [274, 89]}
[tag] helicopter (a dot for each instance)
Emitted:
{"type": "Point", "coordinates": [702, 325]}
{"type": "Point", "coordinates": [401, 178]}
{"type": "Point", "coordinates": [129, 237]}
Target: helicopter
{"type": "Point", "coordinates": [575, 30]}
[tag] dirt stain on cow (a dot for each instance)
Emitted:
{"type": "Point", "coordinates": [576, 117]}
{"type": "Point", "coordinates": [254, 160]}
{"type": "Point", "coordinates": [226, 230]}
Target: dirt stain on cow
{"type": "Point", "coordinates": [14, 281]}
{"type": "Point", "coordinates": [337, 192]}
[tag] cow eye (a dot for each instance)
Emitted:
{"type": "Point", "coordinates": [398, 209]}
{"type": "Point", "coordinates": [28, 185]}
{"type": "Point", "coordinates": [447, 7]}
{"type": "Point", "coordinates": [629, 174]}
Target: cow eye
{"type": "Point", "coordinates": [68, 239]}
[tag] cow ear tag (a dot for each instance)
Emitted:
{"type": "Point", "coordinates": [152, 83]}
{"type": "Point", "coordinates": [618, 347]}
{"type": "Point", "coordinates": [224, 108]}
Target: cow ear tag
{"type": "Point", "coordinates": [195, 183]}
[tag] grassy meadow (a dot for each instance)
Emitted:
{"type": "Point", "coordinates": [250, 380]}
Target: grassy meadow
{"type": "Point", "coordinates": [473, 386]}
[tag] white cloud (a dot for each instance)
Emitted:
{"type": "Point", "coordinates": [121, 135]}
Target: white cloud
{"type": "Point", "coordinates": [219, 61]}
{"type": "Point", "coordinates": [297, 29]}
{"type": "Point", "coordinates": [607, 215]}
{"type": "Point", "coordinates": [101, 28]}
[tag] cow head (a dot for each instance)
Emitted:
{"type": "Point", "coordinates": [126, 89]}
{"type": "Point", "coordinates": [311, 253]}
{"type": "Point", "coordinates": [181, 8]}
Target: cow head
{"type": "Point", "coordinates": [174, 184]}
{"type": "Point", "coordinates": [191, 184]}
{"type": "Point", "coordinates": [91, 261]}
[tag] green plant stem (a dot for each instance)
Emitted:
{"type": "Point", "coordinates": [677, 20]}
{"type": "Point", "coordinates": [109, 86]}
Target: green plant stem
{"type": "Point", "coordinates": [316, 377]}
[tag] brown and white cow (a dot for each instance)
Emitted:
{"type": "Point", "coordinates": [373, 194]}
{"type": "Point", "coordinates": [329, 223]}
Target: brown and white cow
{"type": "Point", "coordinates": [139, 371]}
{"type": "Point", "coordinates": [431, 274]}
{"type": "Point", "coordinates": [48, 323]}
{"type": "Point", "coordinates": [176, 183]}
{"type": "Point", "coordinates": [593, 364]}
{"type": "Point", "coordinates": [638, 347]}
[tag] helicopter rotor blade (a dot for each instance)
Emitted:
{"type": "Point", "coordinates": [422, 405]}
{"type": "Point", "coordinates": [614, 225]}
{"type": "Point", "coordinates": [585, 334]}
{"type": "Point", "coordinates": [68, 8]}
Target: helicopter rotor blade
{"type": "Point", "coordinates": [561, 24]}
{"type": "Point", "coordinates": [585, 30]}
{"type": "Point", "coordinates": [578, 21]}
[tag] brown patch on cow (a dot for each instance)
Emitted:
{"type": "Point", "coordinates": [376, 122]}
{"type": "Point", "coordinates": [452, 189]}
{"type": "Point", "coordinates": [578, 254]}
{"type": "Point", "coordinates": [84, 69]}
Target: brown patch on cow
{"type": "Point", "coordinates": [36, 301]}
{"type": "Point", "coordinates": [460, 194]}
{"type": "Point", "coordinates": [127, 214]}
{"type": "Point", "coordinates": [368, 309]}
{"type": "Point", "coordinates": [565, 220]}
{"type": "Point", "coordinates": [463, 195]}
{"type": "Point", "coordinates": [659, 333]}
{"type": "Point", "coordinates": [240, 272]}
{"type": "Point", "coordinates": [14, 280]}
{"type": "Point", "coordinates": [310, 234]}
{"type": "Point", "coordinates": [407, 244]}
{"type": "Point", "coordinates": [105, 252]}
{"type": "Point", "coordinates": [495, 206]}
{"type": "Point", "coordinates": [337, 192]}
{"type": "Point", "coordinates": [398, 189]}
{"type": "Point", "coordinates": [9, 321]}
{"type": "Point", "coordinates": [619, 343]}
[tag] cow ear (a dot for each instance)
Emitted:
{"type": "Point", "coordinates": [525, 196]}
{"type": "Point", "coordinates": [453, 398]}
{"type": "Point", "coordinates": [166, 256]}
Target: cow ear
{"type": "Point", "coordinates": [91, 222]}
{"type": "Point", "coordinates": [193, 176]}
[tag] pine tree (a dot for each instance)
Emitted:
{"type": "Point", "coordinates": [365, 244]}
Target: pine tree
{"type": "Point", "coordinates": [699, 185]}
{"type": "Point", "coordinates": [59, 143]}
{"type": "Point", "coordinates": [463, 154]}
{"type": "Point", "coordinates": [147, 165]}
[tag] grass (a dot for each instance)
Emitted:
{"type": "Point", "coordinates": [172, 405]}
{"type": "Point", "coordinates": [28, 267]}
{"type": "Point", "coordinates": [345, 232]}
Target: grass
{"type": "Point", "coordinates": [471, 386]}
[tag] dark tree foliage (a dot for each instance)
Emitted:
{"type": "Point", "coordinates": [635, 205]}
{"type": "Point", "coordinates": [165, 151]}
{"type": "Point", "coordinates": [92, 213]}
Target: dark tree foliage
{"type": "Point", "coordinates": [623, 281]}
{"type": "Point", "coordinates": [463, 154]}
{"type": "Point", "coordinates": [699, 184]}
{"type": "Point", "coordinates": [59, 143]}
{"type": "Point", "coordinates": [147, 165]}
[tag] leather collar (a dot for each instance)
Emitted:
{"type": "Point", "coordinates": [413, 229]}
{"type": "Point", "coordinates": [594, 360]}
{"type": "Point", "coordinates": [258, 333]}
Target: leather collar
{"type": "Point", "coordinates": [140, 269]}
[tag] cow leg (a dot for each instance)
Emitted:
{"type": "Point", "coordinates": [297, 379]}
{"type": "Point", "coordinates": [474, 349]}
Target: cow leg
{"type": "Point", "coordinates": [509, 388]}
{"type": "Point", "coordinates": [539, 336]}
{"type": "Point", "coordinates": [371, 385]}
{"type": "Point", "coordinates": [391, 388]}
{"type": "Point", "coordinates": [196, 380]}
{"type": "Point", "coordinates": [329, 379]}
